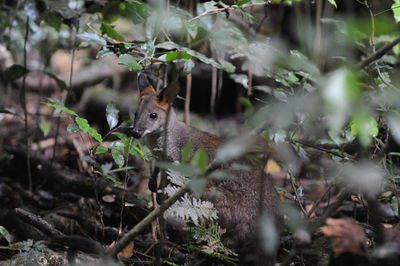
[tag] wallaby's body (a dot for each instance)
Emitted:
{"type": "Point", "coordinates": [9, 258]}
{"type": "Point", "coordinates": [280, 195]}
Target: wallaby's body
{"type": "Point", "coordinates": [237, 202]}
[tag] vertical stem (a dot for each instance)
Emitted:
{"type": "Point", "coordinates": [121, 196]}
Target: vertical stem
{"type": "Point", "coordinates": [188, 96]}
{"type": "Point", "coordinates": [23, 103]}
{"type": "Point", "coordinates": [318, 33]}
{"type": "Point", "coordinates": [188, 93]}
{"type": "Point", "coordinates": [250, 82]}
{"type": "Point", "coordinates": [214, 82]}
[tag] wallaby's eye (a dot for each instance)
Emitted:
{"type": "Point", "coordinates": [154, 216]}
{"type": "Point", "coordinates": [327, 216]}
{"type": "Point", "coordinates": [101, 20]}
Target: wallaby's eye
{"type": "Point", "coordinates": [153, 115]}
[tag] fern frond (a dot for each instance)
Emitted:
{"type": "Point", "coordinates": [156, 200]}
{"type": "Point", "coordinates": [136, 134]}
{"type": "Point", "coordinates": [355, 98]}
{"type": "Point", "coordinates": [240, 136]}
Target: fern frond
{"type": "Point", "coordinates": [189, 208]}
{"type": "Point", "coordinates": [176, 179]}
{"type": "Point", "coordinates": [208, 239]}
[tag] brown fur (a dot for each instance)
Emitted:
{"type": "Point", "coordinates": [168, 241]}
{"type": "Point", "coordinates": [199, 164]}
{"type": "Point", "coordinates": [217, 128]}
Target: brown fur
{"type": "Point", "coordinates": [237, 200]}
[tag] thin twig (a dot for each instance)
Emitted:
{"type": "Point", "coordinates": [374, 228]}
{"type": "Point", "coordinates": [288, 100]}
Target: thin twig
{"type": "Point", "coordinates": [250, 82]}
{"type": "Point", "coordinates": [23, 103]}
{"type": "Point", "coordinates": [386, 10]}
{"type": "Point", "coordinates": [296, 195]}
{"type": "Point", "coordinates": [223, 9]}
{"type": "Point", "coordinates": [214, 82]}
{"type": "Point", "coordinates": [188, 96]}
{"type": "Point", "coordinates": [315, 205]}
{"type": "Point", "coordinates": [320, 148]}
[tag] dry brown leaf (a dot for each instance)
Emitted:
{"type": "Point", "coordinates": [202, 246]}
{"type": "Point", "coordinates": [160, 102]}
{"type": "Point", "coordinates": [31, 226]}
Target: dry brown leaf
{"type": "Point", "coordinates": [346, 236]}
{"type": "Point", "coordinates": [127, 252]}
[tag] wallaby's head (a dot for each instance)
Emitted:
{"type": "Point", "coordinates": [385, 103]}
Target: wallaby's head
{"type": "Point", "coordinates": [151, 114]}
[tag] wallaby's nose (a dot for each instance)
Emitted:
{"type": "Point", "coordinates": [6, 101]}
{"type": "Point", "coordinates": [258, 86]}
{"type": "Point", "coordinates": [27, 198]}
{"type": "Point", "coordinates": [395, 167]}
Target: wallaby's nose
{"type": "Point", "coordinates": [136, 134]}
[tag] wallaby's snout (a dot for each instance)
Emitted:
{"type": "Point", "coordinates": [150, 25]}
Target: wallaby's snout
{"type": "Point", "coordinates": [137, 134]}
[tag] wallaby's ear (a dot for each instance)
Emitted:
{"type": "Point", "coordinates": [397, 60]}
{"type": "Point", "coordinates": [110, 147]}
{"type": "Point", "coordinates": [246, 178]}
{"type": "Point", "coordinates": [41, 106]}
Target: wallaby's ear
{"type": "Point", "coordinates": [144, 85]}
{"type": "Point", "coordinates": [169, 93]}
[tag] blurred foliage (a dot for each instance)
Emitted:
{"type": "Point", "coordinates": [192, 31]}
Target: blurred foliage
{"type": "Point", "coordinates": [303, 92]}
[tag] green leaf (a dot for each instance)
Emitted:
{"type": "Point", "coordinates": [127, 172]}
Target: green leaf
{"type": "Point", "coordinates": [222, 65]}
{"type": "Point", "coordinates": [101, 149]}
{"type": "Point", "coordinates": [60, 83]}
{"type": "Point", "coordinates": [171, 56]}
{"type": "Point", "coordinates": [61, 8]}
{"type": "Point", "coordinates": [112, 179]}
{"type": "Point", "coordinates": [200, 159]}
{"type": "Point", "coordinates": [249, 108]}
{"type": "Point", "coordinates": [364, 127]}
{"type": "Point", "coordinates": [88, 159]}
{"type": "Point", "coordinates": [136, 11]}
{"type": "Point", "coordinates": [185, 154]}
{"type": "Point", "coordinates": [120, 135]}
{"type": "Point", "coordinates": [149, 48]}
{"type": "Point", "coordinates": [112, 115]}
{"type": "Point", "coordinates": [112, 12]}
{"type": "Point", "coordinates": [241, 2]}
{"type": "Point", "coordinates": [5, 234]}
{"type": "Point", "coordinates": [93, 132]}
{"type": "Point", "coordinates": [127, 146]}
{"type": "Point", "coordinates": [137, 150]}
{"type": "Point", "coordinates": [118, 158]}
{"type": "Point", "coordinates": [52, 20]}
{"type": "Point", "coordinates": [82, 123]}
{"type": "Point", "coordinates": [396, 10]}
{"type": "Point", "coordinates": [220, 174]}
{"type": "Point", "coordinates": [109, 30]}
{"type": "Point", "coordinates": [183, 169]}
{"type": "Point", "coordinates": [333, 2]}
{"type": "Point", "coordinates": [233, 148]}
{"type": "Point", "coordinates": [192, 29]}
{"type": "Point", "coordinates": [130, 62]}
{"type": "Point", "coordinates": [92, 38]}
{"type": "Point", "coordinates": [209, 5]}
{"type": "Point", "coordinates": [187, 67]}
{"type": "Point", "coordinates": [341, 92]}
{"type": "Point", "coordinates": [14, 72]}
{"type": "Point", "coordinates": [85, 127]}
{"type": "Point", "coordinates": [45, 127]}
{"type": "Point", "coordinates": [197, 185]}
{"type": "Point", "coordinates": [103, 53]}
{"type": "Point", "coordinates": [62, 108]}
{"type": "Point", "coordinates": [72, 128]}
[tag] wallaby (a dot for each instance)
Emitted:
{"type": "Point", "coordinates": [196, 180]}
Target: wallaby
{"type": "Point", "coordinates": [238, 200]}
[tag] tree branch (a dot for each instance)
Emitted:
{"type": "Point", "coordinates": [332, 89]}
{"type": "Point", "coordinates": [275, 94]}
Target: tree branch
{"type": "Point", "coordinates": [146, 221]}
{"type": "Point", "coordinates": [378, 54]}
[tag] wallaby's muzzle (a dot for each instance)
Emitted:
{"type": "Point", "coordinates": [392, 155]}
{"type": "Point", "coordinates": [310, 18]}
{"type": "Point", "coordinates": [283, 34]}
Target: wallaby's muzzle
{"type": "Point", "coordinates": [137, 134]}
